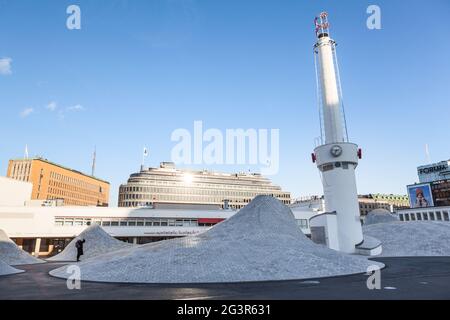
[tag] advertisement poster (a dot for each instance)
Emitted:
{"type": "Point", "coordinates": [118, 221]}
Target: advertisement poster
{"type": "Point", "coordinates": [420, 196]}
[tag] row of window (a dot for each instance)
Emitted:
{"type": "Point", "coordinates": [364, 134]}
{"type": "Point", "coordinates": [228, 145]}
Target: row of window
{"type": "Point", "coordinates": [332, 166]}
{"type": "Point", "coordinates": [374, 206]}
{"type": "Point", "coordinates": [142, 222]}
{"type": "Point", "coordinates": [169, 199]}
{"type": "Point", "coordinates": [129, 222]}
{"type": "Point", "coordinates": [424, 216]}
{"type": "Point", "coordinates": [21, 169]}
{"type": "Point", "coordinates": [75, 182]}
{"type": "Point", "coordinates": [234, 184]}
{"type": "Point", "coordinates": [125, 191]}
{"type": "Point", "coordinates": [21, 178]}
{"type": "Point", "coordinates": [390, 197]}
{"type": "Point", "coordinates": [366, 208]}
{"type": "Point", "coordinates": [73, 188]}
{"type": "Point", "coordinates": [58, 194]}
{"type": "Point", "coordinates": [183, 197]}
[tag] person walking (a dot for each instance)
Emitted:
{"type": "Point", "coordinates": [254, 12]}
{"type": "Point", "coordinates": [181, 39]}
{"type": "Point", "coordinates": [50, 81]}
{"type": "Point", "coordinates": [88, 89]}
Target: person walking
{"type": "Point", "coordinates": [79, 245]}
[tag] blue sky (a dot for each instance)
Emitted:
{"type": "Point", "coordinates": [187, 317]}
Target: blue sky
{"type": "Point", "coordinates": [137, 70]}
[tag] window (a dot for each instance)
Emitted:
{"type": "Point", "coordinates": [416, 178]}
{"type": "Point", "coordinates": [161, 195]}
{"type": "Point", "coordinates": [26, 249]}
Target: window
{"type": "Point", "coordinates": [438, 216]}
{"type": "Point", "coordinates": [445, 216]}
{"type": "Point", "coordinates": [401, 217]}
{"type": "Point", "coordinates": [407, 217]}
{"type": "Point", "coordinates": [419, 216]}
{"type": "Point", "coordinates": [327, 167]}
{"type": "Point", "coordinates": [303, 223]}
{"type": "Point", "coordinates": [432, 216]}
{"type": "Point", "coordinates": [425, 216]}
{"type": "Point", "coordinates": [413, 217]}
{"type": "Point", "coordinates": [132, 223]}
{"type": "Point", "coordinates": [186, 223]}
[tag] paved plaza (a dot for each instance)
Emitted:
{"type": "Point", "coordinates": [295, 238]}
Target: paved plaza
{"type": "Point", "coordinates": [403, 278]}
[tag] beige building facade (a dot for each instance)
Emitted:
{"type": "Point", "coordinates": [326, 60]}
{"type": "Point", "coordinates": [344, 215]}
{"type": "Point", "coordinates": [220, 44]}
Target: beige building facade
{"type": "Point", "coordinates": [169, 185]}
{"type": "Point", "coordinates": [388, 202]}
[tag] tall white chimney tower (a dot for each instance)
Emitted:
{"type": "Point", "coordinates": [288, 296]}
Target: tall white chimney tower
{"type": "Point", "coordinates": [336, 157]}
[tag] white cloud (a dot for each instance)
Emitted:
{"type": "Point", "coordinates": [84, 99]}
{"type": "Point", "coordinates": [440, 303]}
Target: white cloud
{"type": "Point", "coordinates": [51, 106]}
{"type": "Point", "coordinates": [5, 66]}
{"type": "Point", "coordinates": [75, 108]}
{"type": "Point", "coordinates": [26, 112]}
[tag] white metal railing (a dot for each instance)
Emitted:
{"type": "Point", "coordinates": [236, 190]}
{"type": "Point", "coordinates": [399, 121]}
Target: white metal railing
{"type": "Point", "coordinates": [425, 214]}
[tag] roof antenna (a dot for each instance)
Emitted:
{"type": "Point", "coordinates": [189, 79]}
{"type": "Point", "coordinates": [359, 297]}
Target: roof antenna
{"type": "Point", "coordinates": [144, 155]}
{"type": "Point", "coordinates": [94, 159]}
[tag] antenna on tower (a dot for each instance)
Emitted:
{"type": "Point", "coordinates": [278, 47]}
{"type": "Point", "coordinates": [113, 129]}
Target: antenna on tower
{"type": "Point", "coordinates": [26, 152]}
{"type": "Point", "coordinates": [144, 155]}
{"type": "Point", "coordinates": [94, 159]}
{"type": "Point", "coordinates": [322, 25]}
{"type": "Point", "coordinates": [324, 74]}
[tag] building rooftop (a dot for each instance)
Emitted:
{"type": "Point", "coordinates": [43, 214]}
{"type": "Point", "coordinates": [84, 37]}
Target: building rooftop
{"type": "Point", "coordinates": [171, 167]}
{"type": "Point", "coordinates": [61, 166]}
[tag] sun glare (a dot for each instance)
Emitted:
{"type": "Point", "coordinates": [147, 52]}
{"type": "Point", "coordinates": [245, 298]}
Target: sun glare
{"type": "Point", "coordinates": [187, 178]}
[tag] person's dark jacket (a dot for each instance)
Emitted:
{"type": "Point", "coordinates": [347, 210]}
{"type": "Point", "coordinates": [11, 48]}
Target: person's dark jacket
{"type": "Point", "coordinates": [79, 246]}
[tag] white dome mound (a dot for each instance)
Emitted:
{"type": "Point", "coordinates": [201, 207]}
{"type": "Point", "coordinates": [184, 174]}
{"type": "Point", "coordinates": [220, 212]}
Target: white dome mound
{"type": "Point", "coordinates": [409, 239]}
{"type": "Point", "coordinates": [379, 216]}
{"type": "Point", "coordinates": [12, 255]}
{"type": "Point", "coordinates": [6, 269]}
{"type": "Point", "coordinates": [262, 242]}
{"type": "Point", "coordinates": [98, 241]}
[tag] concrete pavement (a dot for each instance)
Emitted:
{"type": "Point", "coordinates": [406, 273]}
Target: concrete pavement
{"type": "Point", "coordinates": [403, 278]}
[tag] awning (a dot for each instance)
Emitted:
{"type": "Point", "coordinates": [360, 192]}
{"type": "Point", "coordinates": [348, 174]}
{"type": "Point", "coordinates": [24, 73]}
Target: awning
{"type": "Point", "coordinates": [210, 220]}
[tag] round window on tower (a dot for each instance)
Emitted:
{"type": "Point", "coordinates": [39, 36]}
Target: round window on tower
{"type": "Point", "coordinates": [336, 151]}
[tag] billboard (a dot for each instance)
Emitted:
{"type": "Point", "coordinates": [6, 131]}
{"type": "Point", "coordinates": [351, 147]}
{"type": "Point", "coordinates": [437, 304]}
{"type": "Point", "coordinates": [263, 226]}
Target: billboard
{"type": "Point", "coordinates": [441, 193]}
{"type": "Point", "coordinates": [434, 172]}
{"type": "Point", "coordinates": [420, 196]}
